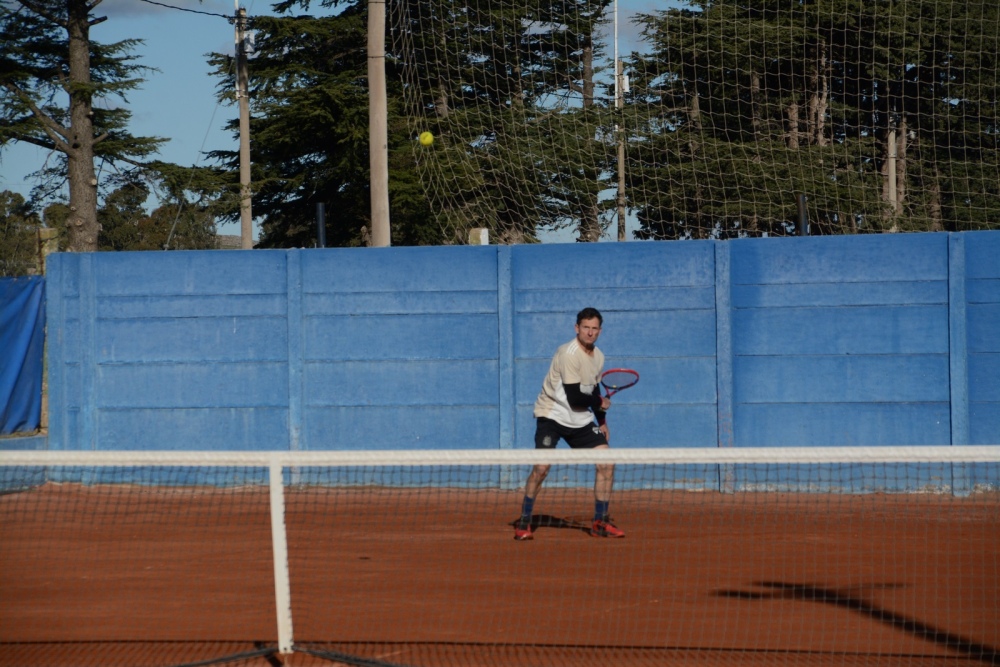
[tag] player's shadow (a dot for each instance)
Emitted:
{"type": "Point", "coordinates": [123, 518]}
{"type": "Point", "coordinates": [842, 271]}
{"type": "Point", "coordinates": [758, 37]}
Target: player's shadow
{"type": "Point", "coordinates": [549, 521]}
{"type": "Point", "coordinates": [850, 598]}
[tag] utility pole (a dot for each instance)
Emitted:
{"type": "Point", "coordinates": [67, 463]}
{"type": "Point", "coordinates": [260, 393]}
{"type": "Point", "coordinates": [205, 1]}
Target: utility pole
{"type": "Point", "coordinates": [621, 150]}
{"type": "Point", "coordinates": [243, 97]}
{"type": "Point", "coordinates": [378, 142]}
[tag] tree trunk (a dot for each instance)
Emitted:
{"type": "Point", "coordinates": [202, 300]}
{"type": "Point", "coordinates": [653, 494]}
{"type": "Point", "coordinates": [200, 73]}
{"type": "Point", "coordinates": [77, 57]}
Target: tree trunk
{"type": "Point", "coordinates": [691, 83]}
{"type": "Point", "coordinates": [937, 219]}
{"type": "Point", "coordinates": [588, 75]}
{"type": "Point", "coordinates": [441, 102]}
{"type": "Point", "coordinates": [82, 228]}
{"type": "Point", "coordinates": [694, 110]}
{"type": "Point", "coordinates": [755, 103]}
{"type": "Point", "coordinates": [792, 136]}
{"type": "Point", "coordinates": [819, 97]}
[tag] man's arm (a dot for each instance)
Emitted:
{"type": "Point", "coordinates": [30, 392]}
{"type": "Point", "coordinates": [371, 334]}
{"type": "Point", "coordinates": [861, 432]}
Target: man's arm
{"type": "Point", "coordinates": [578, 400]}
{"type": "Point", "coordinates": [581, 401]}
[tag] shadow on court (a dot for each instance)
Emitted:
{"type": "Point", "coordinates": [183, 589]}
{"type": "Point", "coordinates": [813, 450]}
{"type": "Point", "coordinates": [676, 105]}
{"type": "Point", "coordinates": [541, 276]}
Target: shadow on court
{"type": "Point", "coordinates": [549, 521]}
{"type": "Point", "coordinates": [849, 599]}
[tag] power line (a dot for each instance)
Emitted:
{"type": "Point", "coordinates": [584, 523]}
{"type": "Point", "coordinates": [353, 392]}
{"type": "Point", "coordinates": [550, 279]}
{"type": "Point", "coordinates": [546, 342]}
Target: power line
{"type": "Point", "coordinates": [185, 9]}
{"type": "Point", "coordinates": [181, 201]}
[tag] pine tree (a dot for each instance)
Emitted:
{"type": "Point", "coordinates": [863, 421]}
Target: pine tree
{"type": "Point", "coordinates": [51, 74]}
{"type": "Point", "coordinates": [309, 134]}
{"type": "Point", "coordinates": [510, 89]}
{"type": "Point", "coordinates": [746, 104]}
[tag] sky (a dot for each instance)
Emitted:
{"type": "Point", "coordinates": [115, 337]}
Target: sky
{"type": "Point", "coordinates": [177, 101]}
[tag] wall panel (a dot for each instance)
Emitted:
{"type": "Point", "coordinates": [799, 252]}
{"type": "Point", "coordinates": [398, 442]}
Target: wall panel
{"type": "Point", "coordinates": [982, 293]}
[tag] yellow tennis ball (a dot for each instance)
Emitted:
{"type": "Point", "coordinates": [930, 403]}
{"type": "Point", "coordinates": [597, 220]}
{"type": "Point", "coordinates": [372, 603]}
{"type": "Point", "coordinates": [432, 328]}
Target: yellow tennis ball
{"type": "Point", "coordinates": [426, 138]}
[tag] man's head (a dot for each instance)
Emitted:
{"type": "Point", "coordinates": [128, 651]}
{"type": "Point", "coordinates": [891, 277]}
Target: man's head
{"type": "Point", "coordinates": [588, 327]}
{"type": "Point", "coordinates": [589, 314]}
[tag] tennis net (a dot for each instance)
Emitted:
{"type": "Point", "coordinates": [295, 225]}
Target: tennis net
{"type": "Point", "coordinates": [804, 556]}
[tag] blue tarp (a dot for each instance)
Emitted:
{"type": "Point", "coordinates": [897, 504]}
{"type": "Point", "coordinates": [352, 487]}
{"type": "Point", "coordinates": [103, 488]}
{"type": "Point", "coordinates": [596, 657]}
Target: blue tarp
{"type": "Point", "coordinates": [22, 339]}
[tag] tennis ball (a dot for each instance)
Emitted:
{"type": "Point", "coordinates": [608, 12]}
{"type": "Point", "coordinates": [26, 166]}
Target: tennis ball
{"type": "Point", "coordinates": [426, 138]}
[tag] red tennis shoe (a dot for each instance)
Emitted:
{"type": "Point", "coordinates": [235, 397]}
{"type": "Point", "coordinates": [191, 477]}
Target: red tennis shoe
{"type": "Point", "coordinates": [522, 531]}
{"type": "Point", "coordinates": [604, 528]}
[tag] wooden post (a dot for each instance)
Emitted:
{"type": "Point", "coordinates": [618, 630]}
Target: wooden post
{"type": "Point", "coordinates": [378, 125]}
{"type": "Point", "coordinates": [48, 243]}
{"type": "Point", "coordinates": [619, 126]}
{"type": "Point", "coordinates": [243, 97]}
{"type": "Point", "coordinates": [479, 236]}
{"type": "Point", "coordinates": [891, 169]}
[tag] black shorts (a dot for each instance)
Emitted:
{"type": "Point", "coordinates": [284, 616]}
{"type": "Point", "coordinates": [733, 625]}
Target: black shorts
{"type": "Point", "coordinates": [548, 432]}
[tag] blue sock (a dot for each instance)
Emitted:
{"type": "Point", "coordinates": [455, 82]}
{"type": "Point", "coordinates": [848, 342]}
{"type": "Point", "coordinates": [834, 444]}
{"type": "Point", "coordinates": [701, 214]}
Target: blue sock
{"type": "Point", "coordinates": [527, 505]}
{"type": "Point", "coordinates": [601, 509]}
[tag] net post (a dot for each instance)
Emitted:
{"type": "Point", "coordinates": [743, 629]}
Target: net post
{"type": "Point", "coordinates": [279, 547]}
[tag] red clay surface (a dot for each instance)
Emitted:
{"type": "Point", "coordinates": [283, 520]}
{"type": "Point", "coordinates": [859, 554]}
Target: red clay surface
{"type": "Point", "coordinates": [111, 576]}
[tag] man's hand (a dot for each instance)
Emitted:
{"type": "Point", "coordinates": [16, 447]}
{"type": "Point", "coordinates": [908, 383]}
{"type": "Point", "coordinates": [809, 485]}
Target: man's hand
{"type": "Point", "coordinates": [606, 432]}
{"type": "Point", "coordinates": [605, 403]}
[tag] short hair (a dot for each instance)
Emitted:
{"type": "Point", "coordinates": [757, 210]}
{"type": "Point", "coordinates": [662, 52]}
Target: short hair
{"type": "Point", "coordinates": [589, 314]}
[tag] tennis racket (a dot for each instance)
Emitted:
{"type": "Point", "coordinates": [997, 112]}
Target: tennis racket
{"type": "Point", "coordinates": [617, 379]}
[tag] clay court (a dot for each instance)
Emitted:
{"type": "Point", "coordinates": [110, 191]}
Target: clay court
{"type": "Point", "coordinates": [109, 575]}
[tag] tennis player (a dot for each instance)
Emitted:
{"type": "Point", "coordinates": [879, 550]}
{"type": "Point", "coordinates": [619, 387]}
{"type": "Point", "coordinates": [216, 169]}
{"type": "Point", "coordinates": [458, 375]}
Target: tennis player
{"type": "Point", "coordinates": [567, 407]}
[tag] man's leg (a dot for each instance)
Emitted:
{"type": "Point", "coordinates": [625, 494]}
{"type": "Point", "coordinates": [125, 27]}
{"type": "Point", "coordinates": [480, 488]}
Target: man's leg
{"type": "Point", "coordinates": [546, 436]}
{"type": "Point", "coordinates": [604, 480]}
{"type": "Point", "coordinates": [522, 530]}
{"type": "Point", "coordinates": [535, 479]}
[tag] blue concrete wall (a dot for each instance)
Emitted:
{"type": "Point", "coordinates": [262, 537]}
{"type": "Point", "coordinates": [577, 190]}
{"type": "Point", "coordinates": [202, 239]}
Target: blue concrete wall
{"type": "Point", "coordinates": [861, 340]}
{"type": "Point", "coordinates": [842, 341]}
{"type": "Point", "coordinates": [981, 329]}
{"type": "Point", "coordinates": [658, 303]}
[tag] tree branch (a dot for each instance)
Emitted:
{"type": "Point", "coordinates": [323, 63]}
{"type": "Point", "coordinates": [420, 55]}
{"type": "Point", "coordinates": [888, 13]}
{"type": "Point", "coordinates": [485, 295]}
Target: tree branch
{"type": "Point", "coordinates": [35, 141]}
{"type": "Point", "coordinates": [56, 132]}
{"type": "Point", "coordinates": [40, 9]}
{"type": "Point", "coordinates": [127, 160]}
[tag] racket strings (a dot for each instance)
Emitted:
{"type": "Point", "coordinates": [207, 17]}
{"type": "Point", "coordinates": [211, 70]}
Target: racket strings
{"type": "Point", "coordinates": [618, 379]}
